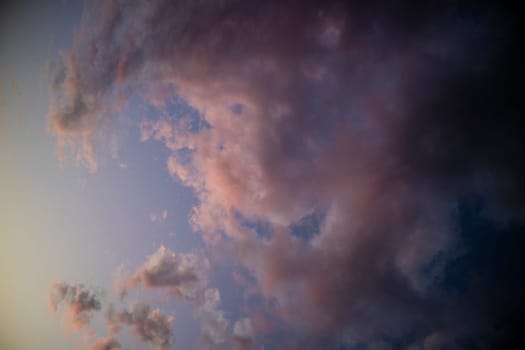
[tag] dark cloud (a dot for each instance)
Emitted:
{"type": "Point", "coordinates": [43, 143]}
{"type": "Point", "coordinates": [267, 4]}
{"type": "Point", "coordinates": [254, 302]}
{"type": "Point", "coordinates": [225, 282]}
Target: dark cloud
{"type": "Point", "coordinates": [149, 325]}
{"type": "Point", "coordinates": [377, 117]}
{"type": "Point", "coordinates": [80, 301]}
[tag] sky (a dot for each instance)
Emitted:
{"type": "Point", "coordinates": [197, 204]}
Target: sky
{"type": "Point", "coordinates": [234, 175]}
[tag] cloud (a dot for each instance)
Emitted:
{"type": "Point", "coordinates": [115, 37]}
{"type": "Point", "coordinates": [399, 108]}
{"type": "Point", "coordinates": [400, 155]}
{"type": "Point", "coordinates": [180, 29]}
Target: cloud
{"type": "Point", "coordinates": [240, 343]}
{"type": "Point", "coordinates": [379, 118]}
{"type": "Point", "coordinates": [159, 217]}
{"type": "Point", "coordinates": [243, 328]}
{"type": "Point", "coordinates": [153, 217]}
{"type": "Point", "coordinates": [181, 274]}
{"type": "Point", "coordinates": [215, 328]}
{"type": "Point", "coordinates": [149, 325]}
{"type": "Point", "coordinates": [213, 323]}
{"type": "Point", "coordinates": [81, 302]}
{"type": "Point", "coordinates": [106, 344]}
{"type": "Point", "coordinates": [243, 335]}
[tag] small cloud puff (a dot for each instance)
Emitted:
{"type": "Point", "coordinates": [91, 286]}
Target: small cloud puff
{"type": "Point", "coordinates": [106, 344]}
{"type": "Point", "coordinates": [182, 274]}
{"type": "Point", "coordinates": [81, 302]}
{"type": "Point", "coordinates": [149, 325]}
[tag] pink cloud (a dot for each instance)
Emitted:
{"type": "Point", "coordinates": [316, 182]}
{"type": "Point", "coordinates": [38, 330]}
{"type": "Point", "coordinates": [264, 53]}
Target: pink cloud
{"type": "Point", "coordinates": [149, 325]}
{"type": "Point", "coordinates": [81, 302]}
{"type": "Point", "coordinates": [105, 344]}
{"type": "Point", "coordinates": [182, 274]}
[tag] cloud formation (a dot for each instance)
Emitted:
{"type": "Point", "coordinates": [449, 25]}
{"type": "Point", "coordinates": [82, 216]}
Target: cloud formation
{"type": "Point", "coordinates": [214, 325]}
{"type": "Point", "coordinates": [243, 335]}
{"type": "Point", "coordinates": [377, 118]}
{"type": "Point", "coordinates": [149, 325]}
{"type": "Point", "coordinates": [182, 274]}
{"type": "Point", "coordinates": [81, 302]}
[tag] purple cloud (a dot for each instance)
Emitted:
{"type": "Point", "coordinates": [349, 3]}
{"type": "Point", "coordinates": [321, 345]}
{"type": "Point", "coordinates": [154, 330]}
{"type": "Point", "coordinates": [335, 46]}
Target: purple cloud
{"type": "Point", "coordinates": [377, 117]}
